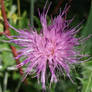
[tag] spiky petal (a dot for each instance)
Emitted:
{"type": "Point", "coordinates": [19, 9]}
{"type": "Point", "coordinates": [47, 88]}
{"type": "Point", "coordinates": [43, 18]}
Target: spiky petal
{"type": "Point", "coordinates": [53, 47]}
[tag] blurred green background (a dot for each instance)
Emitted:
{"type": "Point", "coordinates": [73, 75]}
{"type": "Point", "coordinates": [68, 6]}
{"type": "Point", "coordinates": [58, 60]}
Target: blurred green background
{"type": "Point", "coordinates": [24, 13]}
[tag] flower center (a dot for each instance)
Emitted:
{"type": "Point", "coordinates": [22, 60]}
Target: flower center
{"type": "Point", "coordinates": [50, 49]}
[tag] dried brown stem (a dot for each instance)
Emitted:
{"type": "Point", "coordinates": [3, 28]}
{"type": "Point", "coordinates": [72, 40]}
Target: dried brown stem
{"type": "Point", "coordinates": [7, 32]}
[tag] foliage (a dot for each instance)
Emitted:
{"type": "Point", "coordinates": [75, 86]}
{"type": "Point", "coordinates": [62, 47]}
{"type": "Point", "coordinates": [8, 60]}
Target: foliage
{"type": "Point", "coordinates": [87, 67]}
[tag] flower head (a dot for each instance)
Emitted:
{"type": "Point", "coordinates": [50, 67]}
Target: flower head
{"type": "Point", "coordinates": [53, 47]}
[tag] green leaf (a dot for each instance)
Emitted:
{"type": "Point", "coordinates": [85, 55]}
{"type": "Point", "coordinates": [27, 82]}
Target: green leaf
{"type": "Point", "coordinates": [7, 59]}
{"type": "Point", "coordinates": [4, 47]}
{"type": "Point", "coordinates": [87, 77]}
{"type": "Point", "coordinates": [87, 31]}
{"type": "Point", "coordinates": [1, 27]}
{"type": "Point", "coordinates": [87, 67]}
{"type": "Point", "coordinates": [16, 76]}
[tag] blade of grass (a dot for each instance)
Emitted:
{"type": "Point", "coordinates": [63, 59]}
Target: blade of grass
{"type": "Point", "coordinates": [18, 87]}
{"type": "Point", "coordinates": [5, 81]}
{"type": "Point", "coordinates": [89, 81]}
{"type": "Point", "coordinates": [0, 88]}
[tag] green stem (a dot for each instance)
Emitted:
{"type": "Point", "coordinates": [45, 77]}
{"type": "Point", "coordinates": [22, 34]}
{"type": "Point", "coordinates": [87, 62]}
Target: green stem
{"type": "Point", "coordinates": [18, 3]}
{"type": "Point", "coordinates": [89, 81]}
{"type": "Point", "coordinates": [32, 12]}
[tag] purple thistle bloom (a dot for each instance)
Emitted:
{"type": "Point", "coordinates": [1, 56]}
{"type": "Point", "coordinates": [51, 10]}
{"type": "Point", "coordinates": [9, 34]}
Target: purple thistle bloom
{"type": "Point", "coordinates": [53, 47]}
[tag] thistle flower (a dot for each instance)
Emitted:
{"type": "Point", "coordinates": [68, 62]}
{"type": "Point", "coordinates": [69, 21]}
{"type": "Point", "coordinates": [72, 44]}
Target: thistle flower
{"type": "Point", "coordinates": [54, 47]}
